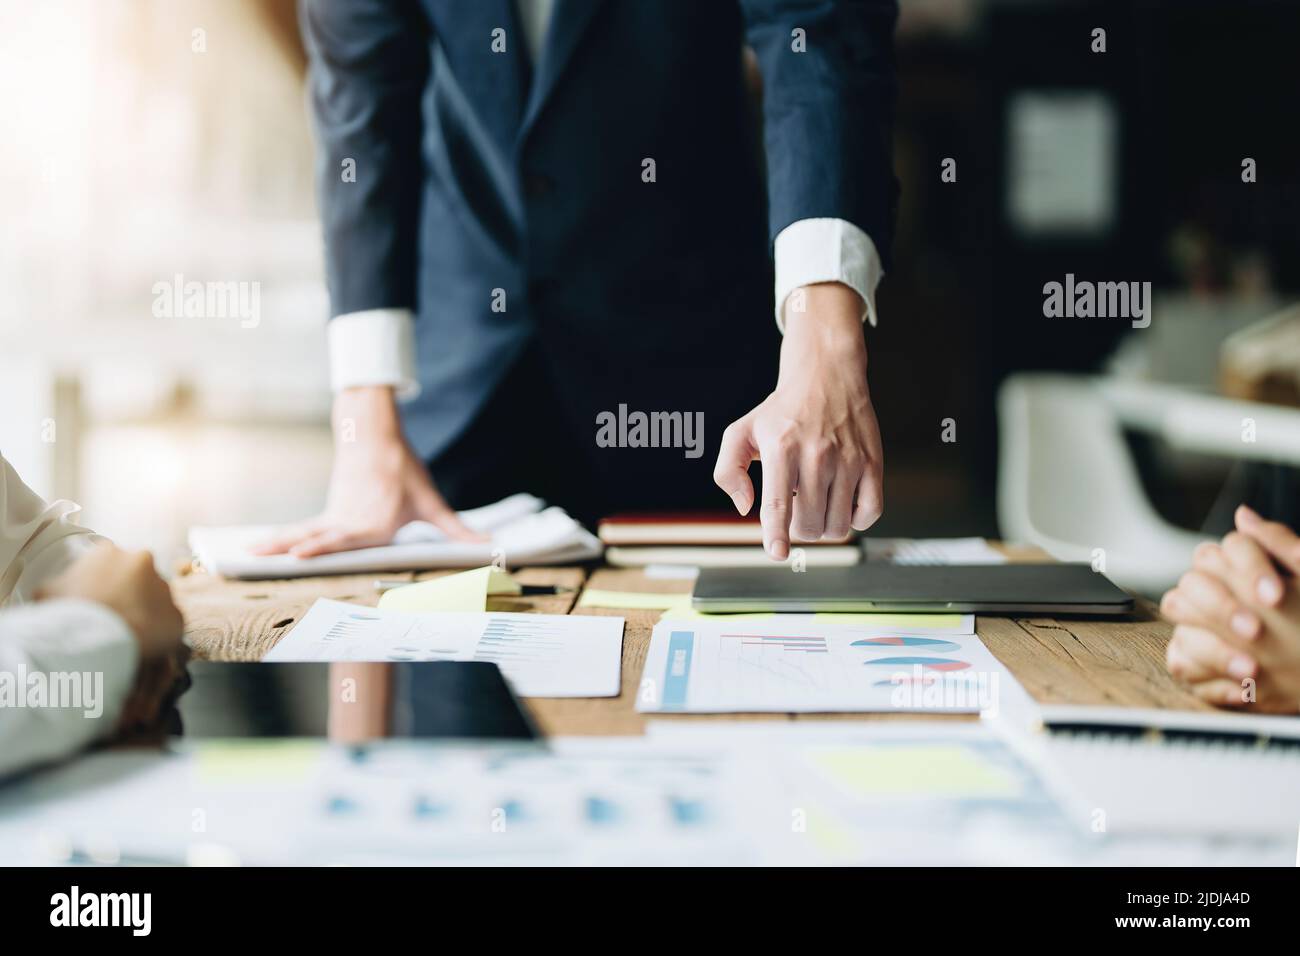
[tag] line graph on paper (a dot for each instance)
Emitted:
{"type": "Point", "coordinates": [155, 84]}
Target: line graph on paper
{"type": "Point", "coordinates": [753, 667]}
{"type": "Point", "coordinates": [365, 635]}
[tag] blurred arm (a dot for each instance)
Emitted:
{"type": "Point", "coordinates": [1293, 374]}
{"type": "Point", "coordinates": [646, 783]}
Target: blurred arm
{"type": "Point", "coordinates": [38, 541]}
{"type": "Point", "coordinates": [368, 67]}
{"type": "Point", "coordinates": [63, 637]}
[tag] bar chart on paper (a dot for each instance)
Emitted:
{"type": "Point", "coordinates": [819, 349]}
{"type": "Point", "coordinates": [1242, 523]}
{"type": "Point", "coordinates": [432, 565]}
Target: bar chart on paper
{"type": "Point", "coordinates": [541, 655]}
{"type": "Point", "coordinates": [794, 663]}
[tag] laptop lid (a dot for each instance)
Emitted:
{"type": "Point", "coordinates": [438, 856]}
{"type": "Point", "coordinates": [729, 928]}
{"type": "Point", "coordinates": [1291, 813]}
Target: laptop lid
{"type": "Point", "coordinates": [987, 588]}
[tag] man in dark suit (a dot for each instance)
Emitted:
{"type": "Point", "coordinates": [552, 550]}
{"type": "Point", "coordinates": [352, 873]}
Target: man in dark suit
{"type": "Point", "coordinates": [544, 218]}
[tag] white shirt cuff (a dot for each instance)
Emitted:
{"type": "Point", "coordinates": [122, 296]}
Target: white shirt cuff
{"type": "Point", "coordinates": [826, 250]}
{"type": "Point", "coordinates": [375, 347]}
{"type": "Point", "coordinates": [61, 638]}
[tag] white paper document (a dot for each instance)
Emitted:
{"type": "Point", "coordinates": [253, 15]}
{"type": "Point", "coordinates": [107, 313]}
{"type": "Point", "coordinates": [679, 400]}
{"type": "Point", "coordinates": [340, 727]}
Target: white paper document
{"type": "Point", "coordinates": [541, 655]}
{"type": "Point", "coordinates": [933, 551]}
{"type": "Point", "coordinates": [800, 663]}
{"type": "Point", "coordinates": [520, 530]}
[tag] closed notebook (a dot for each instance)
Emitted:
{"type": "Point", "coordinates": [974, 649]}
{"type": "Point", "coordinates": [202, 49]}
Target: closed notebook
{"type": "Point", "coordinates": [520, 529]}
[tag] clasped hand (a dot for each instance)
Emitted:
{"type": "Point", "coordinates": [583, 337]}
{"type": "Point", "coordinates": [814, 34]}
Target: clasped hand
{"type": "Point", "coordinates": [1237, 616]}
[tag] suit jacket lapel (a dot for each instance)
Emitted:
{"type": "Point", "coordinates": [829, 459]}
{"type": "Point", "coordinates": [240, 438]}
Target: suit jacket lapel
{"type": "Point", "coordinates": [495, 83]}
{"type": "Point", "coordinates": [569, 21]}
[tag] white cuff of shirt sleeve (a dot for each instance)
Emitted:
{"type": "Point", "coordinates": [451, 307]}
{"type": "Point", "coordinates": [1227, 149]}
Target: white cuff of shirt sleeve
{"type": "Point", "coordinates": [375, 347]}
{"type": "Point", "coordinates": [826, 250]}
{"type": "Point", "coordinates": [57, 637]}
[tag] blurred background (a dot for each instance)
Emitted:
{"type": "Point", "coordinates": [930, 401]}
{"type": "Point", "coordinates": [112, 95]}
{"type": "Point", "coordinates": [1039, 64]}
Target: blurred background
{"type": "Point", "coordinates": [148, 143]}
{"type": "Point", "coordinates": [144, 140]}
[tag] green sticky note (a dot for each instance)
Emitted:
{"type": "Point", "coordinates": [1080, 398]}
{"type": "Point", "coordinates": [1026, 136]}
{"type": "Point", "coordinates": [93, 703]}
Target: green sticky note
{"type": "Point", "coordinates": [942, 770]}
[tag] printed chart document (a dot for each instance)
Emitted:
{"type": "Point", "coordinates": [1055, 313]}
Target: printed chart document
{"type": "Point", "coordinates": [800, 663]}
{"type": "Point", "coordinates": [688, 793]}
{"type": "Point", "coordinates": [279, 802]}
{"type": "Point", "coordinates": [917, 791]}
{"type": "Point", "coordinates": [541, 655]}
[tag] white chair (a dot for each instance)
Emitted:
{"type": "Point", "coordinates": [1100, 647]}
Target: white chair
{"type": "Point", "coordinates": [1067, 483]}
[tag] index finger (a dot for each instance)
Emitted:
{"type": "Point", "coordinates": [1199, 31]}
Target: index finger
{"type": "Point", "coordinates": [779, 474]}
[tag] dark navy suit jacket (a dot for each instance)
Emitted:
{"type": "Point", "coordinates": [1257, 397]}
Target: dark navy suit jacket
{"type": "Point", "coordinates": [476, 171]}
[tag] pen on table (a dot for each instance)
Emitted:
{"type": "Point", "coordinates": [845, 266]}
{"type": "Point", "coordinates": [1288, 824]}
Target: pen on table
{"type": "Point", "coordinates": [526, 590]}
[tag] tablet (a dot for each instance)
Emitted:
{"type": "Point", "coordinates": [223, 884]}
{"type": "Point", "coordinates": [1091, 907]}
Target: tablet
{"type": "Point", "coordinates": [986, 588]}
{"type": "Point", "coordinates": [454, 699]}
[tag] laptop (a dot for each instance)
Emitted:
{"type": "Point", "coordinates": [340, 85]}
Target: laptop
{"type": "Point", "coordinates": [984, 588]}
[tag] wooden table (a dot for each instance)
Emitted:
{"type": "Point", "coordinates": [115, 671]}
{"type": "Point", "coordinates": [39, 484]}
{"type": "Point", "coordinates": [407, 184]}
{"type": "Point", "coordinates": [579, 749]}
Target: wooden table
{"type": "Point", "coordinates": [1060, 661]}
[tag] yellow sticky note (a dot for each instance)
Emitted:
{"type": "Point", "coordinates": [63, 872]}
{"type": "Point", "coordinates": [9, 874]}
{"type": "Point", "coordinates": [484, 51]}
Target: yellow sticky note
{"type": "Point", "coordinates": [594, 597]}
{"type": "Point", "coordinates": [466, 591]}
{"type": "Point", "coordinates": [926, 769]}
{"type": "Point", "coordinates": [270, 759]}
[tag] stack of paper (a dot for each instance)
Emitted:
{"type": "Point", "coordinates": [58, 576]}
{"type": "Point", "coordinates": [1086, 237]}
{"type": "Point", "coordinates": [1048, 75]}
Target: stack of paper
{"type": "Point", "coordinates": [707, 539]}
{"type": "Point", "coordinates": [521, 531]}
